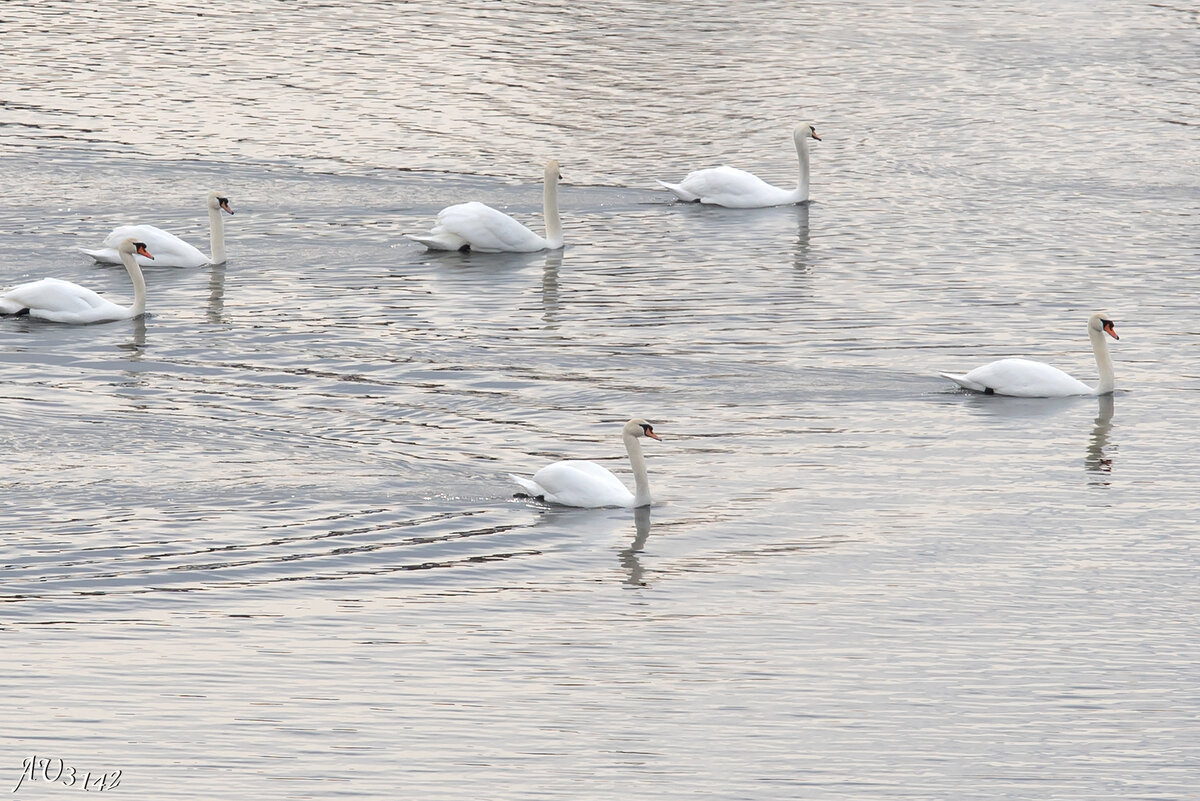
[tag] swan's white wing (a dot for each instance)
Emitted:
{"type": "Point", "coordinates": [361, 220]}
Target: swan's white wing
{"type": "Point", "coordinates": [487, 230]}
{"type": "Point", "coordinates": [734, 188]}
{"type": "Point", "coordinates": [60, 301]}
{"type": "Point", "coordinates": [1022, 378]}
{"type": "Point", "coordinates": [51, 294]}
{"type": "Point", "coordinates": [578, 483]}
{"type": "Point", "coordinates": [168, 250]}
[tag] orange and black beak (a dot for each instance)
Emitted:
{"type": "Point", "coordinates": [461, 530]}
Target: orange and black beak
{"type": "Point", "coordinates": [1110, 330]}
{"type": "Point", "coordinates": [224, 201]}
{"type": "Point", "coordinates": [814, 135]}
{"type": "Point", "coordinates": [141, 250]}
{"type": "Point", "coordinates": [650, 433]}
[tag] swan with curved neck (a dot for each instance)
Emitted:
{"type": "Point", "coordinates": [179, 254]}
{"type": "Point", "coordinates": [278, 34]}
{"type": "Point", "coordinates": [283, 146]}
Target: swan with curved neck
{"type": "Point", "coordinates": [738, 189]}
{"type": "Point", "coordinates": [1024, 378]}
{"type": "Point", "coordinates": [590, 486]}
{"type": "Point", "coordinates": [172, 251]}
{"type": "Point", "coordinates": [65, 302]}
{"type": "Point", "coordinates": [478, 227]}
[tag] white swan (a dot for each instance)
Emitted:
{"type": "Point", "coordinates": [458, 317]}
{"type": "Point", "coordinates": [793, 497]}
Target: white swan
{"type": "Point", "coordinates": [1023, 378]}
{"type": "Point", "coordinates": [476, 226]}
{"type": "Point", "coordinates": [587, 484]}
{"type": "Point", "coordinates": [172, 251]}
{"type": "Point", "coordinates": [65, 302]}
{"type": "Point", "coordinates": [738, 189]}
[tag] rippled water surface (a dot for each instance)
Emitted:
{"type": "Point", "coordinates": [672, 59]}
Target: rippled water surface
{"type": "Point", "coordinates": [262, 542]}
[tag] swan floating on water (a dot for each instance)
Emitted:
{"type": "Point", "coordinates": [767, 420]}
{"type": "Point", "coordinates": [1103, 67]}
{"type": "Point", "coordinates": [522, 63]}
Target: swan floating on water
{"type": "Point", "coordinates": [172, 251]}
{"type": "Point", "coordinates": [1024, 378]}
{"type": "Point", "coordinates": [478, 227]}
{"type": "Point", "coordinates": [587, 484]}
{"type": "Point", "coordinates": [738, 189]}
{"type": "Point", "coordinates": [65, 302]}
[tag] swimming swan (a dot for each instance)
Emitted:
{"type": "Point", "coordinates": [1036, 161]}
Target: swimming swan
{"type": "Point", "coordinates": [738, 189]}
{"type": "Point", "coordinates": [65, 302]}
{"type": "Point", "coordinates": [587, 484]}
{"type": "Point", "coordinates": [172, 251]}
{"type": "Point", "coordinates": [478, 227]}
{"type": "Point", "coordinates": [1023, 378]}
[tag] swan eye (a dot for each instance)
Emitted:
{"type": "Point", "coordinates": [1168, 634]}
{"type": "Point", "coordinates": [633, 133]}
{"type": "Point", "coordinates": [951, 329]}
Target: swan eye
{"type": "Point", "coordinates": [1106, 323]}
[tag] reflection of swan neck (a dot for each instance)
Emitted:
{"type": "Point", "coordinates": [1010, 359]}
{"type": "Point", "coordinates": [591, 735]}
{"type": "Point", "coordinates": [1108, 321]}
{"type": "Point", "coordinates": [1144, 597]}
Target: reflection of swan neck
{"type": "Point", "coordinates": [1095, 460]}
{"type": "Point", "coordinates": [802, 180]}
{"type": "Point", "coordinates": [550, 286]}
{"type": "Point", "coordinates": [216, 293]}
{"type": "Point", "coordinates": [216, 235]}
{"type": "Point", "coordinates": [642, 482]}
{"type": "Point", "coordinates": [629, 556]}
{"type": "Point", "coordinates": [1103, 360]}
{"type": "Point", "coordinates": [554, 233]}
{"type": "Point", "coordinates": [139, 284]}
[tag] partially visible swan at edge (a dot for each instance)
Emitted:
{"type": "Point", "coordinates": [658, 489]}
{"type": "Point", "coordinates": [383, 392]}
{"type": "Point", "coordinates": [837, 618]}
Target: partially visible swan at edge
{"type": "Point", "coordinates": [172, 251]}
{"type": "Point", "coordinates": [738, 189]}
{"type": "Point", "coordinates": [65, 302]}
{"type": "Point", "coordinates": [478, 227]}
{"type": "Point", "coordinates": [1023, 378]}
{"type": "Point", "coordinates": [587, 484]}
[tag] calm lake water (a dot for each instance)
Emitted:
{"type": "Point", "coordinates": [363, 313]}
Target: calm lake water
{"type": "Point", "coordinates": [262, 542]}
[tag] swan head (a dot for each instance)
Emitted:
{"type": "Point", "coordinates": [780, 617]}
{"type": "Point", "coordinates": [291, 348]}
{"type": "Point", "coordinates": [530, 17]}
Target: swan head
{"type": "Point", "coordinates": [1101, 322]}
{"type": "Point", "coordinates": [553, 175]}
{"type": "Point", "coordinates": [131, 246]}
{"type": "Point", "coordinates": [218, 201]}
{"type": "Point", "coordinates": [640, 428]}
{"type": "Point", "coordinates": [805, 131]}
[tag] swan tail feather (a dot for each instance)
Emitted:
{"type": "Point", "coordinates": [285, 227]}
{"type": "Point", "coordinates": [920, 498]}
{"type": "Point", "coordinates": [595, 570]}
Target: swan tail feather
{"type": "Point", "coordinates": [679, 191]}
{"type": "Point", "coordinates": [439, 241]}
{"type": "Point", "coordinates": [11, 307]}
{"type": "Point", "coordinates": [532, 489]}
{"type": "Point", "coordinates": [99, 255]}
{"type": "Point", "coordinates": [964, 382]}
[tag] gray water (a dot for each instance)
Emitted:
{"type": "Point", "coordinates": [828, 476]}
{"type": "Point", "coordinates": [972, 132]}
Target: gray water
{"type": "Point", "coordinates": [262, 542]}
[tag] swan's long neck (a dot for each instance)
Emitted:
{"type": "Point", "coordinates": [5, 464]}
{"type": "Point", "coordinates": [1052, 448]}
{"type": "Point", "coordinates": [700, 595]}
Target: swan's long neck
{"type": "Point", "coordinates": [1103, 361]}
{"type": "Point", "coordinates": [638, 462]}
{"type": "Point", "coordinates": [139, 285]}
{"type": "Point", "coordinates": [216, 235]}
{"type": "Point", "coordinates": [554, 234]}
{"type": "Point", "coordinates": [802, 180]}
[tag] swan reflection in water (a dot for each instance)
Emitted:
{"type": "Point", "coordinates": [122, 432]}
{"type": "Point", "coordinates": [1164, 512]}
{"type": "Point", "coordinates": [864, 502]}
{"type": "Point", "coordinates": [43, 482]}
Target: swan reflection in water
{"type": "Point", "coordinates": [800, 258]}
{"type": "Point", "coordinates": [216, 295]}
{"type": "Point", "coordinates": [629, 556]}
{"type": "Point", "coordinates": [137, 342]}
{"type": "Point", "coordinates": [596, 532]}
{"type": "Point", "coordinates": [554, 259]}
{"type": "Point", "coordinates": [1096, 460]}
